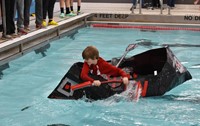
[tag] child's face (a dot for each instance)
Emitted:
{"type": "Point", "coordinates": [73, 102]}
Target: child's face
{"type": "Point", "coordinates": [91, 61]}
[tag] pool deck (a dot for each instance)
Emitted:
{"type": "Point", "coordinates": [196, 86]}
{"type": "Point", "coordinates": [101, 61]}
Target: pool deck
{"type": "Point", "coordinates": [88, 9]}
{"type": "Point", "coordinates": [119, 8]}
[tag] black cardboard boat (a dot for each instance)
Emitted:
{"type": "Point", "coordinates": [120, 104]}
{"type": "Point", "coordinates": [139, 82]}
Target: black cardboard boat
{"type": "Point", "coordinates": [157, 71]}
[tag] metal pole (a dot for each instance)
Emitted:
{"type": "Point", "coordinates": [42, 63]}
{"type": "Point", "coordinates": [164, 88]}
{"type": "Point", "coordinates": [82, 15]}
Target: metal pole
{"type": "Point", "coordinates": [161, 6]}
{"type": "Point", "coordinates": [4, 17]}
{"type": "Point", "coordinates": [169, 8]}
{"type": "Point", "coordinates": [140, 7]}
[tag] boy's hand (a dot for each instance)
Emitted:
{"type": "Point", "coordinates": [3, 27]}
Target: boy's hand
{"type": "Point", "coordinates": [96, 82]}
{"type": "Point", "coordinates": [125, 80]}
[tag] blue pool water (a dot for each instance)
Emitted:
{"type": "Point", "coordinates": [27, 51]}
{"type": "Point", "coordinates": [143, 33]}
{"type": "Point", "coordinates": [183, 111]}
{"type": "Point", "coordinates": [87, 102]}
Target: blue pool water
{"type": "Point", "coordinates": [31, 78]}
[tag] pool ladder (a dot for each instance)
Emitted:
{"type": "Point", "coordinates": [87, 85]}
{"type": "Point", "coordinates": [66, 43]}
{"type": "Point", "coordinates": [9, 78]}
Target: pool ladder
{"type": "Point", "coordinates": [140, 7]}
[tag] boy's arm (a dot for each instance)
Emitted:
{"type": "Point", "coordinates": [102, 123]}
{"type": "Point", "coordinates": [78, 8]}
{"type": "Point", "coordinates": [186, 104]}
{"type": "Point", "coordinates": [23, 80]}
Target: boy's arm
{"type": "Point", "coordinates": [84, 73]}
{"type": "Point", "coordinates": [113, 70]}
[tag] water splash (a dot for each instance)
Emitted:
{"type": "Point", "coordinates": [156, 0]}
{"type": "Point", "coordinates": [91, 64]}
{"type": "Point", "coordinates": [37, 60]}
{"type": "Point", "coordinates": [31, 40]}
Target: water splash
{"type": "Point", "coordinates": [132, 94]}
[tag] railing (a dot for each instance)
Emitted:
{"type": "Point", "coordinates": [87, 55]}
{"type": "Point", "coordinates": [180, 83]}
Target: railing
{"type": "Point", "coordinates": [140, 7]}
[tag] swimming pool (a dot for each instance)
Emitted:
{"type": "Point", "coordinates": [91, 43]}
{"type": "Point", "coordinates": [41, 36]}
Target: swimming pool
{"type": "Point", "coordinates": [24, 87]}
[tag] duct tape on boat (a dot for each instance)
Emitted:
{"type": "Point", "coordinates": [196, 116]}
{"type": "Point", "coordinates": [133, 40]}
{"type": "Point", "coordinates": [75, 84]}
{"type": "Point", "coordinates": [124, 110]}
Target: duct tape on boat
{"type": "Point", "coordinates": [61, 88]}
{"type": "Point", "coordinates": [155, 73]}
{"type": "Point", "coordinates": [178, 65]}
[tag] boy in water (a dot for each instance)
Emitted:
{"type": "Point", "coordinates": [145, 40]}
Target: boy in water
{"type": "Point", "coordinates": [98, 66]}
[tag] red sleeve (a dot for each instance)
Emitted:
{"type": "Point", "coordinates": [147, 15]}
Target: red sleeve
{"type": "Point", "coordinates": [107, 68]}
{"type": "Point", "coordinates": [85, 72]}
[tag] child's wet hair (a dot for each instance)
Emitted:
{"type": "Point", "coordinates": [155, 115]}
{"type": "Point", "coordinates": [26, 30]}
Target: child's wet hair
{"type": "Point", "coordinates": [90, 52]}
